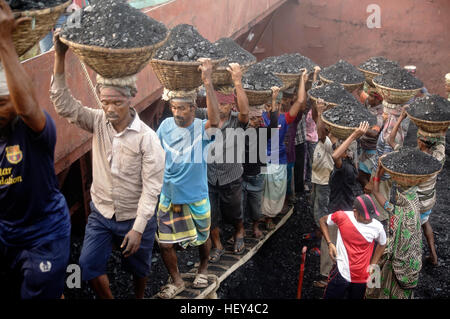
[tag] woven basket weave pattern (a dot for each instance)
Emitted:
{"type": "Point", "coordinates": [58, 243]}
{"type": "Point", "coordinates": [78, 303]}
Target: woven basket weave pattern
{"type": "Point", "coordinates": [408, 179]}
{"type": "Point", "coordinates": [222, 77]}
{"type": "Point", "coordinates": [349, 87]}
{"type": "Point", "coordinates": [25, 37]}
{"type": "Point", "coordinates": [395, 96]}
{"type": "Point", "coordinates": [341, 132]}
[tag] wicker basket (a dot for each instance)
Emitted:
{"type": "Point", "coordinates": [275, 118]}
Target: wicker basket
{"type": "Point", "coordinates": [340, 132]}
{"type": "Point", "coordinates": [258, 97]}
{"type": "Point", "coordinates": [114, 63]}
{"type": "Point", "coordinates": [369, 76]}
{"type": "Point", "coordinates": [395, 96]}
{"type": "Point", "coordinates": [407, 180]}
{"type": "Point", "coordinates": [429, 126]}
{"type": "Point", "coordinates": [349, 87]}
{"type": "Point", "coordinates": [179, 75]}
{"type": "Point", "coordinates": [222, 77]}
{"type": "Point", "coordinates": [25, 36]}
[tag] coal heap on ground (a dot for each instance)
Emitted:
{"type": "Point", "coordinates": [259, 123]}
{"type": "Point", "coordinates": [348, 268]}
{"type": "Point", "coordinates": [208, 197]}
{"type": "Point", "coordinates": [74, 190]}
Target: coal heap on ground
{"type": "Point", "coordinates": [398, 78]}
{"type": "Point", "coordinates": [115, 24]}
{"type": "Point", "coordinates": [379, 64]}
{"type": "Point", "coordinates": [349, 114]}
{"type": "Point", "coordinates": [234, 52]}
{"type": "Point", "coordinates": [186, 44]}
{"type": "Point", "coordinates": [259, 78]}
{"type": "Point", "coordinates": [433, 108]}
{"type": "Point", "coordinates": [408, 160]}
{"type": "Point", "coordinates": [288, 63]}
{"type": "Point", "coordinates": [332, 93]}
{"type": "Point", "coordinates": [343, 72]}
{"type": "Point", "coordinates": [22, 5]}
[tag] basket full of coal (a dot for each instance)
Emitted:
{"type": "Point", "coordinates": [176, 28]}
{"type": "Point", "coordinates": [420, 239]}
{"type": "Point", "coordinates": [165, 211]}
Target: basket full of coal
{"type": "Point", "coordinates": [113, 38]}
{"type": "Point", "coordinates": [430, 113]}
{"type": "Point", "coordinates": [257, 83]}
{"type": "Point", "coordinates": [344, 73]}
{"type": "Point", "coordinates": [346, 118]}
{"type": "Point", "coordinates": [375, 66]}
{"type": "Point", "coordinates": [397, 86]}
{"type": "Point", "coordinates": [176, 62]}
{"type": "Point", "coordinates": [234, 53]}
{"type": "Point", "coordinates": [410, 166]}
{"type": "Point", "coordinates": [43, 17]}
{"type": "Point", "coordinates": [332, 94]}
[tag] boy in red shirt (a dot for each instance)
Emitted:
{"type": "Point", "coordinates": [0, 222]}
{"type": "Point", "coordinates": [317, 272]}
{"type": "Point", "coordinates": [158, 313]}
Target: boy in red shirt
{"type": "Point", "coordinates": [358, 231]}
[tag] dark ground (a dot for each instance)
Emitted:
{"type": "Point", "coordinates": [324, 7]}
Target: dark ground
{"type": "Point", "coordinates": [273, 272]}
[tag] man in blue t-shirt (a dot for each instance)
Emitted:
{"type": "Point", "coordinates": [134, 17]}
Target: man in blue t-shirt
{"type": "Point", "coordinates": [34, 217]}
{"type": "Point", "coordinates": [184, 210]}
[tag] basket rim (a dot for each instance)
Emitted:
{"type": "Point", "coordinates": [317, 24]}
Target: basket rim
{"type": "Point", "coordinates": [259, 91]}
{"type": "Point", "coordinates": [224, 68]}
{"type": "Point", "coordinates": [40, 12]}
{"type": "Point", "coordinates": [315, 99]}
{"type": "Point", "coordinates": [426, 121]}
{"type": "Point", "coordinates": [95, 48]}
{"type": "Point", "coordinates": [336, 125]}
{"type": "Point", "coordinates": [392, 89]}
{"type": "Point", "coordinates": [391, 172]}
{"type": "Point", "coordinates": [181, 63]}
{"type": "Point", "coordinates": [367, 71]}
{"type": "Point", "coordinates": [343, 84]}
{"type": "Point", "coordinates": [294, 74]}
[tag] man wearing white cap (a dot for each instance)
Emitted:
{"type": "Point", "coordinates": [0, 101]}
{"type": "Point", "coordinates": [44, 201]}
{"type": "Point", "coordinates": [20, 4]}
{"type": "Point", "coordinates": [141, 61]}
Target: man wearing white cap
{"type": "Point", "coordinates": [34, 217]}
{"type": "Point", "coordinates": [127, 173]}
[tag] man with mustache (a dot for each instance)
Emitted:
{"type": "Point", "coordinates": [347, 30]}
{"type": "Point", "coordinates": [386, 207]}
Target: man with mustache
{"type": "Point", "coordinates": [34, 217]}
{"type": "Point", "coordinates": [127, 173]}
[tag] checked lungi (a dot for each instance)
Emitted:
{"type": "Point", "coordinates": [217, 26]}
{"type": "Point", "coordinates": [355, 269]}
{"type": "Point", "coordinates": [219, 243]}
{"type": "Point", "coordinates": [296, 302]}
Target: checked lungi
{"type": "Point", "coordinates": [189, 227]}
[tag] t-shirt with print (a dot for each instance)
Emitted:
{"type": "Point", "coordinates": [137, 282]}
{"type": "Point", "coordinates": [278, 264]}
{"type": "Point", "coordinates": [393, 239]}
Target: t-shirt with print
{"type": "Point", "coordinates": [185, 172]}
{"type": "Point", "coordinates": [323, 163]}
{"type": "Point", "coordinates": [33, 210]}
{"type": "Point", "coordinates": [355, 243]}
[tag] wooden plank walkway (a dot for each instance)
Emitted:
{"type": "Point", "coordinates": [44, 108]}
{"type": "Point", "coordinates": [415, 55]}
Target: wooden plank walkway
{"type": "Point", "coordinates": [229, 262]}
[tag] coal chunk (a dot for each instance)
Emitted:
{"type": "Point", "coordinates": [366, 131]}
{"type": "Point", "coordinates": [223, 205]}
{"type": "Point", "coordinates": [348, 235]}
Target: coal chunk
{"type": "Point", "coordinates": [349, 114]}
{"type": "Point", "coordinates": [432, 108]}
{"type": "Point", "coordinates": [186, 44]}
{"type": "Point", "coordinates": [412, 161]}
{"type": "Point", "coordinates": [398, 78]}
{"type": "Point", "coordinates": [234, 52]}
{"type": "Point", "coordinates": [343, 72]}
{"type": "Point", "coordinates": [259, 78]}
{"type": "Point", "coordinates": [288, 63]}
{"type": "Point", "coordinates": [115, 24]}
{"type": "Point", "coordinates": [378, 64]}
{"type": "Point", "coordinates": [333, 93]}
{"type": "Point", "coordinates": [22, 5]}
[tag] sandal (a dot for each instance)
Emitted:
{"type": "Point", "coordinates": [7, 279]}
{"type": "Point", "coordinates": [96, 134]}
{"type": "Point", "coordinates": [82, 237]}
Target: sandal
{"type": "Point", "coordinates": [320, 283]}
{"type": "Point", "coordinates": [169, 291]}
{"type": "Point", "coordinates": [215, 255]}
{"type": "Point", "coordinates": [200, 281]}
{"type": "Point", "coordinates": [239, 246]}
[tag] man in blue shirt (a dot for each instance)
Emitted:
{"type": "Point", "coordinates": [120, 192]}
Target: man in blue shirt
{"type": "Point", "coordinates": [34, 217]}
{"type": "Point", "coordinates": [184, 210]}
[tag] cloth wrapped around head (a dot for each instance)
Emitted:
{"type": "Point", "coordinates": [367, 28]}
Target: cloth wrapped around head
{"type": "Point", "coordinates": [126, 85]}
{"type": "Point", "coordinates": [3, 85]}
{"type": "Point", "coordinates": [188, 96]}
{"type": "Point", "coordinates": [225, 95]}
{"type": "Point", "coordinates": [431, 141]}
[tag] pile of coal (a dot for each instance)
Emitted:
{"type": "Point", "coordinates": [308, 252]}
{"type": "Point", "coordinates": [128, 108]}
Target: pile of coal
{"type": "Point", "coordinates": [115, 24]}
{"type": "Point", "coordinates": [398, 78]}
{"type": "Point", "coordinates": [432, 108]}
{"type": "Point", "coordinates": [412, 161]}
{"type": "Point", "coordinates": [22, 5]}
{"type": "Point", "coordinates": [349, 114]}
{"type": "Point", "coordinates": [259, 78]}
{"type": "Point", "coordinates": [288, 63]}
{"type": "Point", "coordinates": [233, 52]}
{"type": "Point", "coordinates": [332, 93]}
{"type": "Point", "coordinates": [379, 64]}
{"type": "Point", "coordinates": [343, 72]}
{"type": "Point", "coordinates": [187, 45]}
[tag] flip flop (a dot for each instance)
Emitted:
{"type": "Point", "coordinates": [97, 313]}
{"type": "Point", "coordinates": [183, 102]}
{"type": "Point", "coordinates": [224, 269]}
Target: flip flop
{"type": "Point", "coordinates": [200, 281]}
{"type": "Point", "coordinates": [239, 246]}
{"type": "Point", "coordinates": [169, 291]}
{"type": "Point", "coordinates": [215, 255]}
